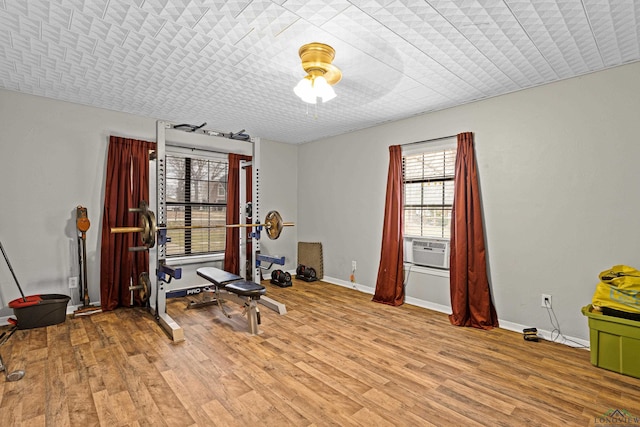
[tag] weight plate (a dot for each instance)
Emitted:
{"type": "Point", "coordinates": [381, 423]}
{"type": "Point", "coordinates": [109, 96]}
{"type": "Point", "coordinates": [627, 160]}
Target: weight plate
{"type": "Point", "coordinates": [148, 223]}
{"type": "Point", "coordinates": [145, 287]}
{"type": "Point", "coordinates": [273, 224]}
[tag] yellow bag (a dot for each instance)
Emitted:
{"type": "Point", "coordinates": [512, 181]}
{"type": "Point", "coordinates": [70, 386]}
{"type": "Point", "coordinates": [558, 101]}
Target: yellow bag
{"type": "Point", "coordinates": [619, 288]}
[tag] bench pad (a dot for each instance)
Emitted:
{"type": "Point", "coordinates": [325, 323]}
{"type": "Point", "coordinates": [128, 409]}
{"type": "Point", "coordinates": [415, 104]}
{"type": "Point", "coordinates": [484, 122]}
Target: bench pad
{"type": "Point", "coordinates": [246, 289]}
{"type": "Point", "coordinates": [218, 277]}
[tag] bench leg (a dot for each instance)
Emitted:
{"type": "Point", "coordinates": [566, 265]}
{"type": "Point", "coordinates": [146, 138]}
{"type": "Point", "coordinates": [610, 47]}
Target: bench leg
{"type": "Point", "coordinates": [253, 316]}
{"type": "Point", "coordinates": [274, 305]}
{"type": "Point", "coordinates": [206, 299]}
{"type": "Point", "coordinates": [219, 301]}
{"type": "Point", "coordinates": [249, 308]}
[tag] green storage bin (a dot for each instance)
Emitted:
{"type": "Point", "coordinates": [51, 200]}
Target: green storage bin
{"type": "Point", "coordinates": [615, 342]}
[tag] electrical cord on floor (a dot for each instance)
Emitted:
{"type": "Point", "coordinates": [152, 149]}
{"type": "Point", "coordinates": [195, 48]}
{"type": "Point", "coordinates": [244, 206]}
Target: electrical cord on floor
{"type": "Point", "coordinates": [406, 279]}
{"type": "Point", "coordinates": [556, 329]}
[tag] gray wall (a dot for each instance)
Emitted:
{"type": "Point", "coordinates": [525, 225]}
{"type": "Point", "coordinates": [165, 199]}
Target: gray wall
{"type": "Point", "coordinates": [558, 175]}
{"type": "Point", "coordinates": [279, 191]}
{"type": "Point", "coordinates": [53, 159]}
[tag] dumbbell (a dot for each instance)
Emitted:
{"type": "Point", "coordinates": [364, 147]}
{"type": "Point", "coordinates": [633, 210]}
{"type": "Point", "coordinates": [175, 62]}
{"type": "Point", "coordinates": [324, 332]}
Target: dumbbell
{"type": "Point", "coordinates": [281, 276]}
{"type": "Point", "coordinates": [306, 272]}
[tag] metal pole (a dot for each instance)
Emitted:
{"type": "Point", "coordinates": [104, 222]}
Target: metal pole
{"type": "Point", "coordinates": [12, 273]}
{"type": "Point", "coordinates": [428, 140]}
{"type": "Point", "coordinates": [85, 281]}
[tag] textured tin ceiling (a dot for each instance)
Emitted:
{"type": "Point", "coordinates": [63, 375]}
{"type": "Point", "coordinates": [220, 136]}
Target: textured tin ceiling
{"type": "Point", "coordinates": [233, 64]}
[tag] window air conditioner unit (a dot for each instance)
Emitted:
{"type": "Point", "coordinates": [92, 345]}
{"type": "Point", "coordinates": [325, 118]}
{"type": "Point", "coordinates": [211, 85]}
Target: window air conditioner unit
{"type": "Point", "coordinates": [431, 252]}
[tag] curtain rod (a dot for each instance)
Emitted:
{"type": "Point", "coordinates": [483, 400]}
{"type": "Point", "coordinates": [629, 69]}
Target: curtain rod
{"type": "Point", "coordinates": [429, 140]}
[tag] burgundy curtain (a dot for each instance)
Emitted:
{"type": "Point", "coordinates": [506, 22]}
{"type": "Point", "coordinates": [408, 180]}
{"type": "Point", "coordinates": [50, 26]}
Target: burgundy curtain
{"type": "Point", "coordinates": [390, 283]}
{"type": "Point", "coordinates": [471, 303]}
{"type": "Point", "coordinates": [232, 250]}
{"type": "Point", "coordinates": [127, 183]}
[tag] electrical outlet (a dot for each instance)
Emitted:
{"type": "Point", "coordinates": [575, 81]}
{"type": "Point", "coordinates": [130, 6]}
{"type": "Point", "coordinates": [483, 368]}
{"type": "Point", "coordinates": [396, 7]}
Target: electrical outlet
{"type": "Point", "coordinates": [545, 301]}
{"type": "Point", "coordinates": [353, 265]}
{"type": "Point", "coordinates": [73, 282]}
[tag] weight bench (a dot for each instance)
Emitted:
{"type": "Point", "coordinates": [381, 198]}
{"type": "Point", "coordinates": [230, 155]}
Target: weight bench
{"type": "Point", "coordinates": [231, 286]}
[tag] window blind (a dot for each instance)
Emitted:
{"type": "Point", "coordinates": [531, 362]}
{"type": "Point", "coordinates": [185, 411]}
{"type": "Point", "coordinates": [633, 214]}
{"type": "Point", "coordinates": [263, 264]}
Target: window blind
{"type": "Point", "coordinates": [428, 179]}
{"type": "Point", "coordinates": [196, 196]}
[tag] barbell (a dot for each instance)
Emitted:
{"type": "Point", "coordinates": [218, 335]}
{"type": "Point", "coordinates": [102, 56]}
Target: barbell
{"type": "Point", "coordinates": [148, 227]}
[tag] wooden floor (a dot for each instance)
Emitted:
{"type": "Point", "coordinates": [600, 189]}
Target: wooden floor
{"type": "Point", "coordinates": [335, 359]}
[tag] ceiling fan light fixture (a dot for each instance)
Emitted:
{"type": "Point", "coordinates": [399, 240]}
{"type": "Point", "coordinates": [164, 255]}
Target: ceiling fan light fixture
{"type": "Point", "coordinates": [317, 61]}
{"type": "Point", "coordinates": [322, 89]}
{"type": "Point", "coordinates": [304, 90]}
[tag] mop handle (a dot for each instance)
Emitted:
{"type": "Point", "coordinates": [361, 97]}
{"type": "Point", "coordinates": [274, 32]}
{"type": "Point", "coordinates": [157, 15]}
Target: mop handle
{"type": "Point", "coordinates": [12, 273]}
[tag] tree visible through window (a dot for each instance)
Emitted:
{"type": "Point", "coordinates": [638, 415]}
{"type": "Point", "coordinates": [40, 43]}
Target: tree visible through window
{"type": "Point", "coordinates": [196, 196]}
{"type": "Point", "coordinates": [428, 192]}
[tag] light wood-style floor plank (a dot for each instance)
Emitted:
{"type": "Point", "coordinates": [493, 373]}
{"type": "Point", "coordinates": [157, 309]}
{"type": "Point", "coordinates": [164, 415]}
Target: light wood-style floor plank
{"type": "Point", "coordinates": [335, 359]}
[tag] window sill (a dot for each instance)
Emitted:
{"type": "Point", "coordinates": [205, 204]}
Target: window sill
{"type": "Point", "coordinates": [196, 259]}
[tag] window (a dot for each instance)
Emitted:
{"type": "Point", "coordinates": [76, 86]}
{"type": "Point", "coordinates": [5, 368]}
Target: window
{"type": "Point", "coordinates": [196, 196]}
{"type": "Point", "coordinates": [428, 191]}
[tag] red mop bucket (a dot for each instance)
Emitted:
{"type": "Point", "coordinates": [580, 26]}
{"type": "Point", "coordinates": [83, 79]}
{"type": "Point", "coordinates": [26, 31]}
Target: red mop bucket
{"type": "Point", "coordinates": [35, 311]}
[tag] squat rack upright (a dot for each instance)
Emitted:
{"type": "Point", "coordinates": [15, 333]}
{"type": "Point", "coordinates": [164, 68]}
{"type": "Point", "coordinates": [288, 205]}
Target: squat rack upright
{"type": "Point", "coordinates": [170, 134]}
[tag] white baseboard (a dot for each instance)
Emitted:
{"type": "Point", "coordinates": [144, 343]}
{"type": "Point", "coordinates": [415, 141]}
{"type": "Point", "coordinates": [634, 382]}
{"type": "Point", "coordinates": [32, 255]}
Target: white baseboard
{"type": "Point", "coordinates": [509, 326]}
{"type": "Point", "coordinates": [350, 285]}
{"type": "Point", "coordinates": [546, 335]}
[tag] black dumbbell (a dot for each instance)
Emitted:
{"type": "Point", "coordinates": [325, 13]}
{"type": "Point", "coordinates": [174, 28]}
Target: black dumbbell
{"type": "Point", "coordinates": [306, 272]}
{"type": "Point", "coordinates": [281, 276]}
{"type": "Point", "coordinates": [300, 270]}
